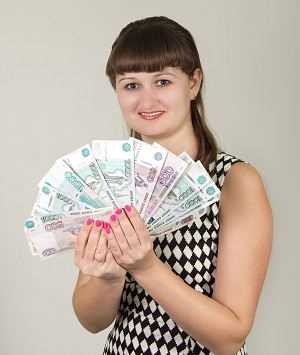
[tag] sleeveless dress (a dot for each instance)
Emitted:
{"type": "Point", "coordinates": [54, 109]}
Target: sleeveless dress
{"type": "Point", "coordinates": [142, 326]}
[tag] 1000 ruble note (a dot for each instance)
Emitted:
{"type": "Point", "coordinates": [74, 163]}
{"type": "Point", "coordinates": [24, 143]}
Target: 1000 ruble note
{"type": "Point", "coordinates": [179, 223]}
{"type": "Point", "coordinates": [83, 162]}
{"type": "Point", "coordinates": [116, 161]}
{"type": "Point", "coordinates": [54, 233]}
{"type": "Point", "coordinates": [63, 178]}
{"type": "Point", "coordinates": [50, 200]}
{"type": "Point", "coordinates": [198, 200]}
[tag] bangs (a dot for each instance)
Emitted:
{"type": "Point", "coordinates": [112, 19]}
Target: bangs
{"type": "Point", "coordinates": [149, 50]}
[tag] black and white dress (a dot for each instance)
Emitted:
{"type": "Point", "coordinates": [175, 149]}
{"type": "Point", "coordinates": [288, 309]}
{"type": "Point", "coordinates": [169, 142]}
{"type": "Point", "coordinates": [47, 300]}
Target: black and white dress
{"type": "Point", "coordinates": [142, 326]}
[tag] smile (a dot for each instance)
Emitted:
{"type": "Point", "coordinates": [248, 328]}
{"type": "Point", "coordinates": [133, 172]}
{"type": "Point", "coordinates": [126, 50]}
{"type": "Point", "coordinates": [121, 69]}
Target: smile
{"type": "Point", "coordinates": [151, 115]}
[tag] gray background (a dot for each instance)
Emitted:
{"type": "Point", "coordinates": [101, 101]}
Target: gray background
{"type": "Point", "coordinates": [55, 97]}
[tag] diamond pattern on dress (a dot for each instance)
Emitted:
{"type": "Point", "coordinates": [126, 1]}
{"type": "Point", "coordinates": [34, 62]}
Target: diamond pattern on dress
{"type": "Point", "coordinates": [142, 326]}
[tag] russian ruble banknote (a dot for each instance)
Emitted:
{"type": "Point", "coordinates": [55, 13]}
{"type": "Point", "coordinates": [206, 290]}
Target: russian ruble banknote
{"type": "Point", "coordinates": [84, 164]}
{"type": "Point", "coordinates": [64, 179]}
{"type": "Point", "coordinates": [169, 191]}
{"type": "Point", "coordinates": [171, 171]}
{"type": "Point", "coordinates": [50, 200]}
{"type": "Point", "coordinates": [179, 223]}
{"type": "Point", "coordinates": [51, 234]}
{"type": "Point", "coordinates": [198, 200]}
{"type": "Point", "coordinates": [148, 162]}
{"type": "Point", "coordinates": [195, 189]}
{"type": "Point", "coordinates": [115, 159]}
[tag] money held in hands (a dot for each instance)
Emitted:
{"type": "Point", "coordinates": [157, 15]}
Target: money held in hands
{"type": "Point", "coordinates": [169, 191]}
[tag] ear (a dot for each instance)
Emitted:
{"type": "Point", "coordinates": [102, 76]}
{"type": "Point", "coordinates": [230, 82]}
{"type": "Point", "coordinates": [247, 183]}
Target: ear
{"type": "Point", "coordinates": [195, 82]}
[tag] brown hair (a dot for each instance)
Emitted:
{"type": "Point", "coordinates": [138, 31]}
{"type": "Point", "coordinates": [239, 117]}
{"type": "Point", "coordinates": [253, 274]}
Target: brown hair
{"type": "Point", "coordinates": [150, 45]}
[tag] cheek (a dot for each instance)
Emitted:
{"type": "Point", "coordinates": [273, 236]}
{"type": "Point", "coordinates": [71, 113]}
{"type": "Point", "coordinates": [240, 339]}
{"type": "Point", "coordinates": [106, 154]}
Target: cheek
{"type": "Point", "coordinates": [127, 104]}
{"type": "Point", "coordinates": [176, 101]}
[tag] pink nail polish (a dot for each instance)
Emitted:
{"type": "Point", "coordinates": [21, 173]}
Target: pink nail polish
{"type": "Point", "coordinates": [128, 208]}
{"type": "Point", "coordinates": [118, 211]}
{"type": "Point", "coordinates": [98, 223]}
{"type": "Point", "coordinates": [108, 229]}
{"type": "Point", "coordinates": [89, 221]}
{"type": "Point", "coordinates": [113, 217]}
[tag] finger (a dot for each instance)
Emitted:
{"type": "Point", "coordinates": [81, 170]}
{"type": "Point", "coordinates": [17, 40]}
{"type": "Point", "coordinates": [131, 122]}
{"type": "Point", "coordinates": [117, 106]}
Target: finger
{"type": "Point", "coordinates": [118, 233]}
{"type": "Point", "coordinates": [82, 238]}
{"type": "Point", "coordinates": [109, 257]}
{"type": "Point", "coordinates": [112, 244]}
{"type": "Point", "coordinates": [127, 228]}
{"type": "Point", "coordinates": [101, 250]}
{"type": "Point", "coordinates": [92, 241]}
{"type": "Point", "coordinates": [137, 223]}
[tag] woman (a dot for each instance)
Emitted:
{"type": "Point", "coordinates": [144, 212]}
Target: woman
{"type": "Point", "coordinates": [196, 290]}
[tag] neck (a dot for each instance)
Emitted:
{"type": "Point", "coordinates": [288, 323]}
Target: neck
{"type": "Point", "coordinates": [184, 140]}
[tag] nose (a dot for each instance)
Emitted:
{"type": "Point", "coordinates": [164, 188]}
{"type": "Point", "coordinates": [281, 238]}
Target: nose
{"type": "Point", "coordinates": [148, 99]}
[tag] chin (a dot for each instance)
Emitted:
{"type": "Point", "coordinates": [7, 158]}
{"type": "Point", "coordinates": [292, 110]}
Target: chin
{"type": "Point", "coordinates": [149, 129]}
{"type": "Point", "coordinates": [153, 134]}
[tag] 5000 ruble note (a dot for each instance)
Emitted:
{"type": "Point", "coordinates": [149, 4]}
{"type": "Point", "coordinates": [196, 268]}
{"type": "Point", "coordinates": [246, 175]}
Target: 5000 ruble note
{"type": "Point", "coordinates": [148, 162]}
{"type": "Point", "coordinates": [172, 170]}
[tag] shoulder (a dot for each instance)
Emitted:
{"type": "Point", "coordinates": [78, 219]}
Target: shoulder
{"type": "Point", "coordinates": [243, 190]}
{"type": "Point", "coordinates": [242, 176]}
{"type": "Point", "coordinates": [235, 169]}
{"type": "Point", "coordinates": [221, 165]}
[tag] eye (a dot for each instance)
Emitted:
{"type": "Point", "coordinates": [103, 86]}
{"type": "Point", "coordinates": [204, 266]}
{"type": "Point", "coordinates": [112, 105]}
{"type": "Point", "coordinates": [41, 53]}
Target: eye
{"type": "Point", "coordinates": [130, 86]}
{"type": "Point", "coordinates": [164, 82]}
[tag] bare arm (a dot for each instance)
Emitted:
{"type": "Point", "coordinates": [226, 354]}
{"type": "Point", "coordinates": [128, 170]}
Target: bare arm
{"type": "Point", "coordinates": [97, 294]}
{"type": "Point", "coordinates": [96, 301]}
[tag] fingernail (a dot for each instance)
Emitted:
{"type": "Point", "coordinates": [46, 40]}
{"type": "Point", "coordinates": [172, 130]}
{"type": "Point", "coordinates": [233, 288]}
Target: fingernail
{"type": "Point", "coordinates": [108, 229]}
{"type": "Point", "coordinates": [128, 208]}
{"type": "Point", "coordinates": [104, 225]}
{"type": "Point", "coordinates": [118, 211]}
{"type": "Point", "coordinates": [89, 221]}
{"type": "Point", "coordinates": [113, 217]}
{"type": "Point", "coordinates": [98, 223]}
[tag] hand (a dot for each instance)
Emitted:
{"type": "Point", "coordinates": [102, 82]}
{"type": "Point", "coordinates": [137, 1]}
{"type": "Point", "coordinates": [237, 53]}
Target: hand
{"type": "Point", "coordinates": [92, 255]}
{"type": "Point", "coordinates": [129, 240]}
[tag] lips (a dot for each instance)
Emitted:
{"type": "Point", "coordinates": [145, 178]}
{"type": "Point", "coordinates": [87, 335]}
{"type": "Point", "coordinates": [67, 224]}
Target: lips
{"type": "Point", "coordinates": [151, 115]}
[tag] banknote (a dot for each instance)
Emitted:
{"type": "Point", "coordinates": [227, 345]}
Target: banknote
{"type": "Point", "coordinates": [115, 159]}
{"type": "Point", "coordinates": [194, 180]}
{"type": "Point", "coordinates": [39, 211]}
{"type": "Point", "coordinates": [148, 162]}
{"type": "Point", "coordinates": [50, 200]}
{"type": "Point", "coordinates": [64, 179]}
{"type": "Point", "coordinates": [181, 191]}
{"type": "Point", "coordinates": [171, 171]}
{"type": "Point", "coordinates": [201, 175]}
{"type": "Point", "coordinates": [169, 191]}
{"type": "Point", "coordinates": [198, 200]}
{"type": "Point", "coordinates": [186, 157]}
{"type": "Point", "coordinates": [179, 223]}
{"type": "Point", "coordinates": [55, 233]}
{"type": "Point", "coordinates": [83, 163]}
{"type": "Point", "coordinates": [206, 193]}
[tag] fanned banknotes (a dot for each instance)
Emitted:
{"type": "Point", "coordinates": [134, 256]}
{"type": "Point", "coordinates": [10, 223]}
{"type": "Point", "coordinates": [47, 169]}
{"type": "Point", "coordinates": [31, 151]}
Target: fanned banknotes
{"type": "Point", "coordinates": [169, 191]}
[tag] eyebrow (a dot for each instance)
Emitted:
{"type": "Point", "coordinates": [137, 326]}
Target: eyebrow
{"type": "Point", "coordinates": [158, 74]}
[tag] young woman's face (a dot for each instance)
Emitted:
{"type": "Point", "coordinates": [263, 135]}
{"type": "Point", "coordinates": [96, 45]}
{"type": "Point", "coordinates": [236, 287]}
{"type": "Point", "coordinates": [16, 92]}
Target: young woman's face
{"type": "Point", "coordinates": [157, 104]}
